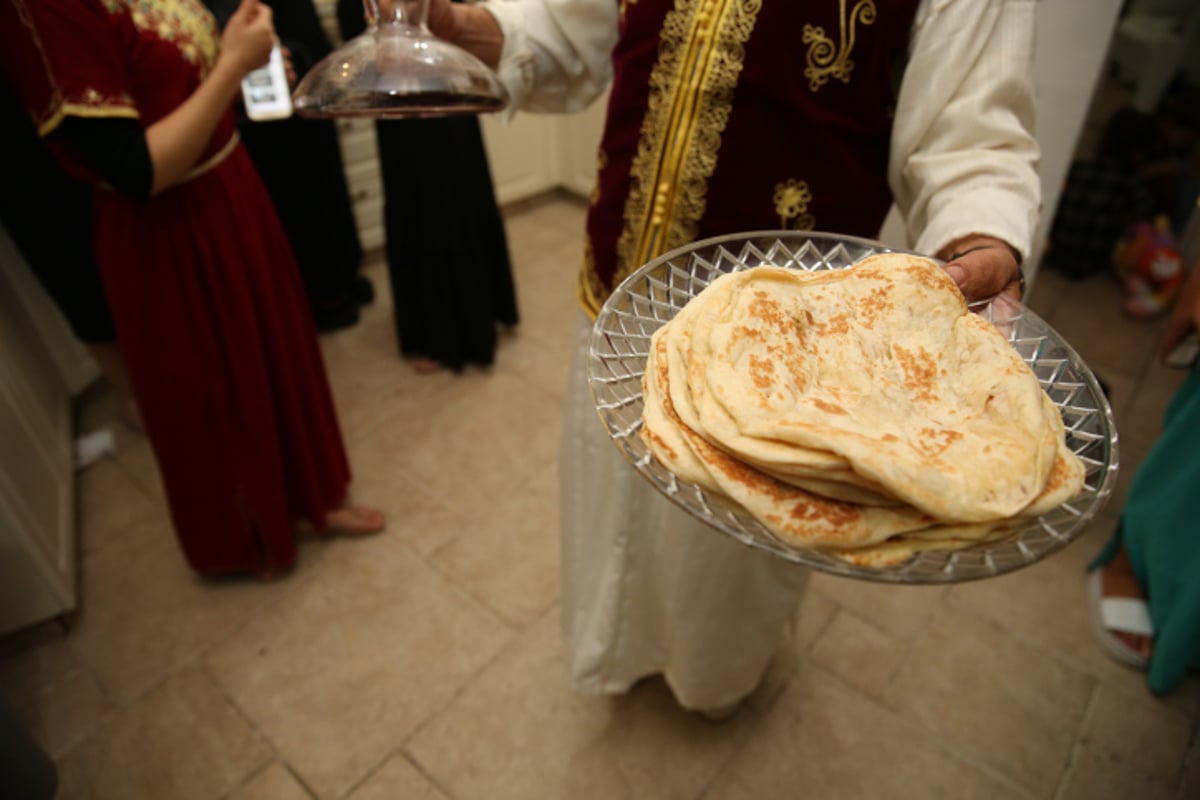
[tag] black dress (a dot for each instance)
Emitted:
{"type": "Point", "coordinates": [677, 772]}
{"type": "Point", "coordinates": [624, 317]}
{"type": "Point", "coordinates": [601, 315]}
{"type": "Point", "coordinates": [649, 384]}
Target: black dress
{"type": "Point", "coordinates": [300, 162]}
{"type": "Point", "coordinates": [447, 253]}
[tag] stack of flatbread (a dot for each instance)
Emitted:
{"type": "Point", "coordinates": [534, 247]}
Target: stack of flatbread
{"type": "Point", "coordinates": [863, 412]}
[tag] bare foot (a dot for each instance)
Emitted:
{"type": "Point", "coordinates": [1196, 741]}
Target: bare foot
{"type": "Point", "coordinates": [1117, 580]}
{"type": "Point", "coordinates": [427, 366]}
{"type": "Point", "coordinates": [354, 521]}
{"type": "Point", "coordinates": [347, 521]}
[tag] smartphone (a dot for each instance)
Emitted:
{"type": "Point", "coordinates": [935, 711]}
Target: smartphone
{"type": "Point", "coordinates": [265, 91]}
{"type": "Point", "coordinates": [1186, 354]}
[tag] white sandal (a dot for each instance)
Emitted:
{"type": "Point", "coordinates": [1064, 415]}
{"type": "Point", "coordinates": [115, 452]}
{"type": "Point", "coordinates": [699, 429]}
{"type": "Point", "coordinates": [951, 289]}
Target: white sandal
{"type": "Point", "coordinates": [1124, 614]}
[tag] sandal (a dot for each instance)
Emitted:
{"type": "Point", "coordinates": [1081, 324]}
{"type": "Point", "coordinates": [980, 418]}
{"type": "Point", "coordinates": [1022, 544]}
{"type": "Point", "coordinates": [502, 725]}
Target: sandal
{"type": "Point", "coordinates": [1124, 614]}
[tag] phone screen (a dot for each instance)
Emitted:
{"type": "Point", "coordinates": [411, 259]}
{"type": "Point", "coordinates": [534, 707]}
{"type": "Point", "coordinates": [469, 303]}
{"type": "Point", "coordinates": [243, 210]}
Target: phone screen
{"type": "Point", "coordinates": [265, 90]}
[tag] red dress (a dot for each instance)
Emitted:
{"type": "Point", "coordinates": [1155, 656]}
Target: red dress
{"type": "Point", "coordinates": [209, 309]}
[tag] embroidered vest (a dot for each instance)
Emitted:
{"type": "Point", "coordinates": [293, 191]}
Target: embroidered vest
{"type": "Point", "coordinates": [740, 115]}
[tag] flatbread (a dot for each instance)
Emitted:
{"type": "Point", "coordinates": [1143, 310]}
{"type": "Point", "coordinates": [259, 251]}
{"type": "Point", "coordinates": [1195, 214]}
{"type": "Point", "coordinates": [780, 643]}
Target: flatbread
{"type": "Point", "coordinates": [948, 443]}
{"type": "Point", "coordinates": [882, 365]}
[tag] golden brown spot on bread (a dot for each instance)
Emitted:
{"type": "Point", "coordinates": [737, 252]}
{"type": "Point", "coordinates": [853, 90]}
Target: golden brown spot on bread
{"type": "Point", "coordinates": [762, 372]}
{"type": "Point", "coordinates": [920, 371]}
{"type": "Point", "coordinates": [828, 408]}
{"type": "Point", "coordinates": [835, 325]}
{"type": "Point", "coordinates": [874, 305]}
{"type": "Point", "coordinates": [934, 441]}
{"type": "Point", "coordinates": [662, 445]}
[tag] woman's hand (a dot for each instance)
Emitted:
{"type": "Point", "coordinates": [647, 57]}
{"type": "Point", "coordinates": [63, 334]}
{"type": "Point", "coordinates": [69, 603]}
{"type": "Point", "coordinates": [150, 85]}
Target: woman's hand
{"type": "Point", "coordinates": [1186, 314]}
{"type": "Point", "coordinates": [289, 68]}
{"type": "Point", "coordinates": [983, 267]}
{"type": "Point", "coordinates": [248, 38]}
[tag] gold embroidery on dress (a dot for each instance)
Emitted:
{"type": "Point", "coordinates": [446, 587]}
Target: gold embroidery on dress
{"type": "Point", "coordinates": [828, 59]}
{"type": "Point", "coordinates": [701, 54]}
{"type": "Point", "coordinates": [791, 203]}
{"type": "Point", "coordinates": [591, 291]}
{"type": "Point", "coordinates": [623, 5]}
{"type": "Point", "coordinates": [601, 163]}
{"type": "Point", "coordinates": [92, 103]}
{"type": "Point", "coordinates": [187, 24]}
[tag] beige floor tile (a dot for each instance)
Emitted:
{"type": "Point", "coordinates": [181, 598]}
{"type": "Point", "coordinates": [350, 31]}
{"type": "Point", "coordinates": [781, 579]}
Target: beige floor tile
{"type": "Point", "coordinates": [136, 458]}
{"type": "Point", "coordinates": [507, 556]}
{"type": "Point", "coordinates": [1122, 390]}
{"type": "Point", "coordinates": [863, 655]}
{"type": "Point", "coordinates": [519, 731]}
{"type": "Point", "coordinates": [181, 740]}
{"type": "Point", "coordinates": [1099, 777]}
{"type": "Point", "coordinates": [540, 349]}
{"type": "Point", "coordinates": [815, 615]}
{"type": "Point", "coordinates": [1189, 784]}
{"type": "Point", "coordinates": [1143, 417]}
{"type": "Point", "coordinates": [273, 783]}
{"type": "Point", "coordinates": [64, 713]}
{"type": "Point", "coordinates": [998, 701]}
{"type": "Point", "coordinates": [1091, 320]}
{"type": "Point", "coordinates": [1133, 451]}
{"type": "Point", "coordinates": [143, 612]}
{"type": "Point", "coordinates": [33, 661]}
{"type": "Point", "coordinates": [396, 779]}
{"type": "Point", "coordinates": [1140, 731]}
{"type": "Point", "coordinates": [540, 226]}
{"type": "Point", "coordinates": [484, 444]}
{"type": "Point", "coordinates": [899, 611]}
{"type": "Point", "coordinates": [823, 739]}
{"type": "Point", "coordinates": [414, 517]}
{"type": "Point", "coordinates": [1046, 605]}
{"type": "Point", "coordinates": [372, 384]}
{"type": "Point", "coordinates": [343, 668]}
{"type": "Point", "coordinates": [1049, 289]}
{"type": "Point", "coordinates": [110, 505]}
{"type": "Point", "coordinates": [99, 408]}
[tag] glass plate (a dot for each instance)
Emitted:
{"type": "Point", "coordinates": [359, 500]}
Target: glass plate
{"type": "Point", "coordinates": [654, 294]}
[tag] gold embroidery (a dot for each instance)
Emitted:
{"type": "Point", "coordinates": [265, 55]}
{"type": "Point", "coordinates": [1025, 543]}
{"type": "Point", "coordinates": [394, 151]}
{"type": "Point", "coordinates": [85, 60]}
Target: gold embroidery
{"type": "Point", "coordinates": [827, 59]}
{"type": "Point", "coordinates": [701, 53]}
{"type": "Point", "coordinates": [187, 24]}
{"type": "Point", "coordinates": [91, 104]}
{"type": "Point", "coordinates": [601, 163]}
{"type": "Point", "coordinates": [791, 203]}
{"type": "Point", "coordinates": [624, 4]}
{"type": "Point", "coordinates": [591, 291]}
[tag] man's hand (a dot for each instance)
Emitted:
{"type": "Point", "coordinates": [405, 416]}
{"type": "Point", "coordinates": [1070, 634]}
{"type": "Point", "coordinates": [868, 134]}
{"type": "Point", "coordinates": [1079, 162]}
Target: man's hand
{"type": "Point", "coordinates": [983, 267]}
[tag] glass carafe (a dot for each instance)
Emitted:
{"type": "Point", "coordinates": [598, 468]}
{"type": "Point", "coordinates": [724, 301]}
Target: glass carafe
{"type": "Point", "coordinates": [397, 68]}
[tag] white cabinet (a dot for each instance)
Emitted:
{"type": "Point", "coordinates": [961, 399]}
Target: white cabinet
{"type": "Point", "coordinates": [37, 519]}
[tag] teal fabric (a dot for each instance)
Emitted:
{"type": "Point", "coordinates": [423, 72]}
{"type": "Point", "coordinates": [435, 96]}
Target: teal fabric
{"type": "Point", "coordinates": [1160, 528]}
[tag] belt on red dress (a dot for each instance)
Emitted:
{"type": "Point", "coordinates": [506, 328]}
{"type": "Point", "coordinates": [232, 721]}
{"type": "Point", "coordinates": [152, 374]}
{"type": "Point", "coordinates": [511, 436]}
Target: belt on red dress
{"type": "Point", "coordinates": [210, 163]}
{"type": "Point", "coordinates": [207, 165]}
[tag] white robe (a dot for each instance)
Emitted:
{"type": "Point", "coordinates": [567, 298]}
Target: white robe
{"type": "Point", "coordinates": [646, 589]}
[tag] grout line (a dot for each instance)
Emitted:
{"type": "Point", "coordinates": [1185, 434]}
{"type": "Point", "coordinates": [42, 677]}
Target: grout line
{"type": "Point", "coordinates": [1068, 769]}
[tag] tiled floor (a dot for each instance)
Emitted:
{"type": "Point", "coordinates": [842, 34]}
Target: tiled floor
{"type": "Point", "coordinates": [427, 662]}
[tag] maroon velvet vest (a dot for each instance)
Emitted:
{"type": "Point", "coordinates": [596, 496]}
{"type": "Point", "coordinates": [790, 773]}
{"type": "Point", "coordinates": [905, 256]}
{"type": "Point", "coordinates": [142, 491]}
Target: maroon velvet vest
{"type": "Point", "coordinates": [741, 115]}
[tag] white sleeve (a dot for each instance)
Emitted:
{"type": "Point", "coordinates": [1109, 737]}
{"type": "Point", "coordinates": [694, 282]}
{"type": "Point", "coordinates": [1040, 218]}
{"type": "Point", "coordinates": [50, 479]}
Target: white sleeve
{"type": "Point", "coordinates": [963, 155]}
{"type": "Point", "coordinates": [557, 53]}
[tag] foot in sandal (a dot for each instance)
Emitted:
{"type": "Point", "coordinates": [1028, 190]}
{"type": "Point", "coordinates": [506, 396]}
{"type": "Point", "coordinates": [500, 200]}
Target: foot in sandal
{"type": "Point", "coordinates": [1120, 615]}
